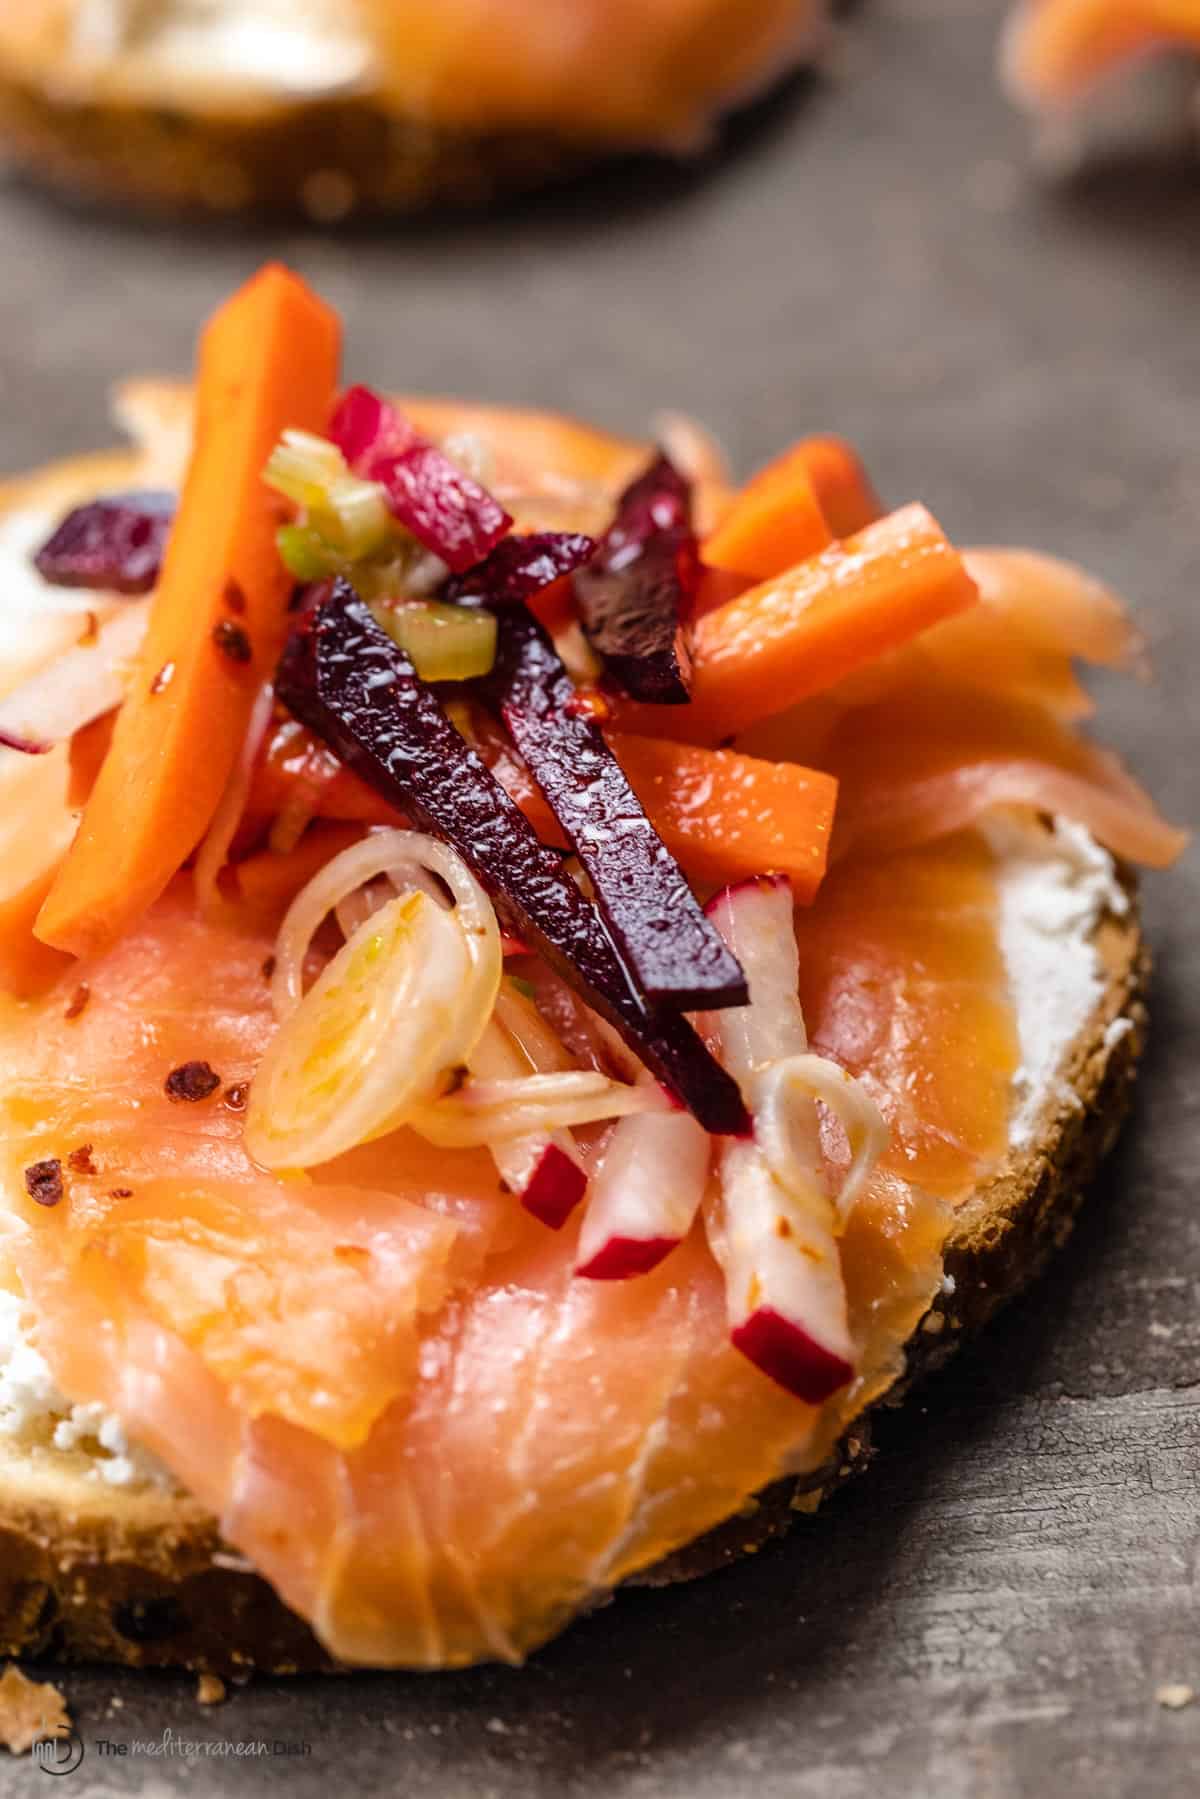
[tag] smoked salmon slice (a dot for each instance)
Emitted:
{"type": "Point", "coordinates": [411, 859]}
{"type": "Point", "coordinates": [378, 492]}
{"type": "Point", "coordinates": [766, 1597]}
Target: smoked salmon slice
{"type": "Point", "coordinates": [473, 1441]}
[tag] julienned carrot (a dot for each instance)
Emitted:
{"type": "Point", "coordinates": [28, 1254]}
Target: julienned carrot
{"type": "Point", "coordinates": [268, 360]}
{"type": "Point", "coordinates": [841, 483]}
{"type": "Point", "coordinates": [723, 816]}
{"type": "Point", "coordinates": [775, 522]}
{"type": "Point", "coordinates": [800, 633]}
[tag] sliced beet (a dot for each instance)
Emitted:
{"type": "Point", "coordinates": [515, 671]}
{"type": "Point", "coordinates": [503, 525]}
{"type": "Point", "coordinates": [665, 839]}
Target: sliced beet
{"type": "Point", "coordinates": [445, 508]}
{"type": "Point", "coordinates": [519, 567]}
{"type": "Point", "coordinates": [115, 543]}
{"type": "Point", "coordinates": [635, 595]}
{"type": "Point", "coordinates": [677, 957]}
{"type": "Point", "coordinates": [343, 676]}
{"type": "Point", "coordinates": [367, 429]}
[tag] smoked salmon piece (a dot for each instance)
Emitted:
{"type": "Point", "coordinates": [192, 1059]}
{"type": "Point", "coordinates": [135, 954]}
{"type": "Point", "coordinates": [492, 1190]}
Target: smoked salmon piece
{"type": "Point", "coordinates": [471, 1442]}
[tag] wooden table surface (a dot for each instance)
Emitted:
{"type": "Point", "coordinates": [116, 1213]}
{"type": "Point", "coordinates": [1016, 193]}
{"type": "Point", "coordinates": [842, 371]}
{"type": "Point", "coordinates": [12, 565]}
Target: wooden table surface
{"type": "Point", "coordinates": [989, 1612]}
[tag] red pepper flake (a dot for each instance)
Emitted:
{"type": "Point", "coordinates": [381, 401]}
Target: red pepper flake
{"type": "Point", "coordinates": [78, 1000]}
{"type": "Point", "coordinates": [234, 1097]}
{"type": "Point", "coordinates": [456, 1079]}
{"type": "Point", "coordinates": [231, 640]}
{"type": "Point", "coordinates": [44, 1182]}
{"type": "Point", "coordinates": [268, 968]}
{"type": "Point", "coordinates": [235, 599]}
{"type": "Point", "coordinates": [120, 1193]}
{"type": "Point", "coordinates": [192, 1081]}
{"type": "Point", "coordinates": [163, 678]}
{"type": "Point", "coordinates": [91, 629]}
{"type": "Point", "coordinates": [80, 1160]}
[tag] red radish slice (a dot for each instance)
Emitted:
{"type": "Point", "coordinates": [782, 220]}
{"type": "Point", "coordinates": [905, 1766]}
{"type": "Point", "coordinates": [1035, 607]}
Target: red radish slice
{"type": "Point", "coordinates": [645, 1196]}
{"type": "Point", "coordinates": [773, 1230]}
{"type": "Point", "coordinates": [77, 687]}
{"type": "Point", "coordinates": [544, 1169]}
{"type": "Point", "coordinates": [785, 1294]}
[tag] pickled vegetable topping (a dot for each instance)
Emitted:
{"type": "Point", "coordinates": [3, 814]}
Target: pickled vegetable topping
{"type": "Point", "coordinates": [113, 544]}
{"type": "Point", "coordinates": [674, 952]}
{"type": "Point", "coordinates": [520, 567]}
{"type": "Point", "coordinates": [349, 682]}
{"type": "Point", "coordinates": [443, 506]}
{"type": "Point", "coordinates": [636, 593]}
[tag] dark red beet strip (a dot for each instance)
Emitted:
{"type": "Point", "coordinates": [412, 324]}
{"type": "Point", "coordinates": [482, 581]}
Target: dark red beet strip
{"type": "Point", "coordinates": [115, 543]}
{"type": "Point", "coordinates": [677, 957]}
{"type": "Point", "coordinates": [636, 593]}
{"type": "Point", "coordinates": [345, 678]}
{"type": "Point", "coordinates": [519, 567]}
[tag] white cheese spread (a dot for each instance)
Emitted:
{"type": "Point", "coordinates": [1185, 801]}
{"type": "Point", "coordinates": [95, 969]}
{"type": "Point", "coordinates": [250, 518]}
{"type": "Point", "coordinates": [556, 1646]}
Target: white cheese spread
{"type": "Point", "coordinates": [1054, 890]}
{"type": "Point", "coordinates": [32, 1409]}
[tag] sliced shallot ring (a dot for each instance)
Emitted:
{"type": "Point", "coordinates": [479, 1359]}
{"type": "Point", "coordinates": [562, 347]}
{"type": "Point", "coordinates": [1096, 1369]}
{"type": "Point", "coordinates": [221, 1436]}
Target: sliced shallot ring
{"type": "Point", "coordinates": [817, 1078]}
{"type": "Point", "coordinates": [484, 1112]}
{"type": "Point", "coordinates": [407, 854]}
{"type": "Point", "coordinates": [77, 687]}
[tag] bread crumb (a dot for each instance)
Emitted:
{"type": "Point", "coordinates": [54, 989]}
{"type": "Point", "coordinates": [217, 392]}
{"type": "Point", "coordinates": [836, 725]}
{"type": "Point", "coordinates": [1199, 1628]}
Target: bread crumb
{"type": "Point", "coordinates": [210, 1689]}
{"type": "Point", "coordinates": [30, 1710]}
{"type": "Point", "coordinates": [1175, 1695]}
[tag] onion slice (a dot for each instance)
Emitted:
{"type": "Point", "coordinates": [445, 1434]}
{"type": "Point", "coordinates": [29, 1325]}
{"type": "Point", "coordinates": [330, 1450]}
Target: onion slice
{"type": "Point", "coordinates": [403, 1003]}
{"type": "Point", "coordinates": [86, 681]}
{"type": "Point", "coordinates": [491, 1111]}
{"type": "Point", "coordinates": [543, 1169]}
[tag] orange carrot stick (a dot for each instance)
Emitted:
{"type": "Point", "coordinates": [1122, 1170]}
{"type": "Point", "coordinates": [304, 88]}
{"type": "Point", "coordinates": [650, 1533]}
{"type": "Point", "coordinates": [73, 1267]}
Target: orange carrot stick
{"type": "Point", "coordinates": [841, 483]}
{"type": "Point", "coordinates": [775, 522]}
{"type": "Point", "coordinates": [268, 360]}
{"type": "Point", "coordinates": [725, 816]}
{"type": "Point", "coordinates": [798, 634]}
{"type": "Point", "coordinates": [722, 816]}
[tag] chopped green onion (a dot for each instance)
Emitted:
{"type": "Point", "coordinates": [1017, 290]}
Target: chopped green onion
{"type": "Point", "coordinates": [306, 554]}
{"type": "Point", "coordinates": [445, 643]}
{"type": "Point", "coordinates": [353, 515]}
{"type": "Point", "coordinates": [304, 467]}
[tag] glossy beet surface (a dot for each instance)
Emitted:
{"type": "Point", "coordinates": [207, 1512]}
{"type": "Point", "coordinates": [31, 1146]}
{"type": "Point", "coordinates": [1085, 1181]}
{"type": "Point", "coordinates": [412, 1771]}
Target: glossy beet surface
{"type": "Point", "coordinates": [346, 679]}
{"type": "Point", "coordinates": [676, 955]}
{"type": "Point", "coordinates": [114, 544]}
{"type": "Point", "coordinates": [635, 595]}
{"type": "Point", "coordinates": [519, 567]}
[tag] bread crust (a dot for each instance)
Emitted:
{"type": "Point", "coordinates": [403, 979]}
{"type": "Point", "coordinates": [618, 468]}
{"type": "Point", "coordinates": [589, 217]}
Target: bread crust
{"type": "Point", "coordinates": [142, 1579]}
{"type": "Point", "coordinates": [403, 134]}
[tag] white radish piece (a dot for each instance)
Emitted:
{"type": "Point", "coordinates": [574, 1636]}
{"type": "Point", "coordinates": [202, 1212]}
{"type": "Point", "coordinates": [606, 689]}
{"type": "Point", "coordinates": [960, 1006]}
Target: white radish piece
{"type": "Point", "coordinates": [645, 1195]}
{"type": "Point", "coordinates": [774, 1227]}
{"type": "Point", "coordinates": [543, 1169]}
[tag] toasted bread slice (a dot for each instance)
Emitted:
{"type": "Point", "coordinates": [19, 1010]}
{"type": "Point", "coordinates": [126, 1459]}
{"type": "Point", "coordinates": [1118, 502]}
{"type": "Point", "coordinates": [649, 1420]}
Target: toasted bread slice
{"type": "Point", "coordinates": [134, 1571]}
{"type": "Point", "coordinates": [369, 106]}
